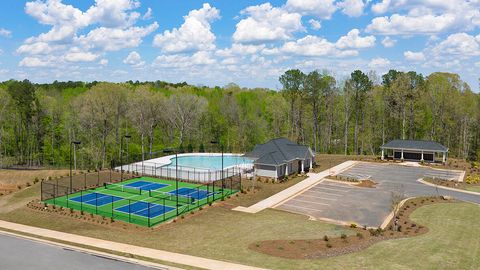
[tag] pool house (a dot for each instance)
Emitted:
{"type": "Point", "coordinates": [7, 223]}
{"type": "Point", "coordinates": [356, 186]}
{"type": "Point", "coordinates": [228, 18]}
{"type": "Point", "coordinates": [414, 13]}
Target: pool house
{"type": "Point", "coordinates": [281, 157]}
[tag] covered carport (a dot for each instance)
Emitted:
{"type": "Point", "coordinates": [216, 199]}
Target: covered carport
{"type": "Point", "coordinates": [414, 150]}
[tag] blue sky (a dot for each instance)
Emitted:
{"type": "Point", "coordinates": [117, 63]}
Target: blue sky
{"type": "Point", "coordinates": [250, 43]}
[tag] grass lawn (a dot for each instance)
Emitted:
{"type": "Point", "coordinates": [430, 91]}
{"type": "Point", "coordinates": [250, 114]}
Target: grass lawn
{"type": "Point", "coordinates": [220, 233]}
{"type": "Point", "coordinates": [472, 188]}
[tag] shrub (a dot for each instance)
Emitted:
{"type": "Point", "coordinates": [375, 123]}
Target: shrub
{"type": "Point", "coordinates": [329, 245]}
{"type": "Point", "coordinates": [19, 187]}
{"type": "Point", "coordinates": [353, 225]}
{"type": "Point", "coordinates": [325, 238]}
{"type": "Point", "coordinates": [343, 236]}
{"type": "Point", "coordinates": [280, 248]}
{"type": "Point", "coordinates": [360, 236]}
{"type": "Point", "coordinates": [28, 184]}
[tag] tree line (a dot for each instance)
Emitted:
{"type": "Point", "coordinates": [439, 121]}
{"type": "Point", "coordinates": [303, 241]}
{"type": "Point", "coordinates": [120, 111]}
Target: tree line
{"type": "Point", "coordinates": [354, 115]}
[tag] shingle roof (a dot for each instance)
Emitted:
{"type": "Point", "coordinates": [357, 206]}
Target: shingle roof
{"type": "Point", "coordinates": [279, 151]}
{"type": "Point", "coordinates": [415, 145]}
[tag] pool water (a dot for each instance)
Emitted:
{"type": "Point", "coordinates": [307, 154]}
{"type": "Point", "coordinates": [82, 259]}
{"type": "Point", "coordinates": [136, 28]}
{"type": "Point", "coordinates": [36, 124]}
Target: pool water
{"type": "Point", "coordinates": [209, 162]}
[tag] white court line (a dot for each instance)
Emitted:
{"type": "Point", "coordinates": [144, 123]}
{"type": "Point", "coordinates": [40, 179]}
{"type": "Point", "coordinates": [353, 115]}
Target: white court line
{"type": "Point", "coordinates": [299, 200]}
{"type": "Point", "coordinates": [317, 197]}
{"type": "Point", "coordinates": [321, 187]}
{"type": "Point", "coordinates": [300, 207]}
{"type": "Point", "coordinates": [316, 191]}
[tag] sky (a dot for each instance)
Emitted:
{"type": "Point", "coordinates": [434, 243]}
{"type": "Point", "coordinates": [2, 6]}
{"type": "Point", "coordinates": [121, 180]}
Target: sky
{"type": "Point", "coordinates": [250, 43]}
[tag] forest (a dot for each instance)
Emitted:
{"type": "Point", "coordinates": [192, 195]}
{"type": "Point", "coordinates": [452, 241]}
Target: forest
{"type": "Point", "coordinates": [355, 115]}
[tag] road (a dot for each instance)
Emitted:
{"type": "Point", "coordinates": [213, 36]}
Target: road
{"type": "Point", "coordinates": [22, 254]}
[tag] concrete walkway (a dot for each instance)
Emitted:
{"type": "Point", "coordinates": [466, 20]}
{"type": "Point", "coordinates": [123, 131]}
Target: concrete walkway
{"type": "Point", "coordinates": [313, 178]}
{"type": "Point", "coordinates": [125, 248]}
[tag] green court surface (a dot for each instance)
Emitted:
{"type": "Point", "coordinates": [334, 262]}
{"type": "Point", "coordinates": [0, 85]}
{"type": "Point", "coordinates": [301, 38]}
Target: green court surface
{"type": "Point", "coordinates": [144, 201]}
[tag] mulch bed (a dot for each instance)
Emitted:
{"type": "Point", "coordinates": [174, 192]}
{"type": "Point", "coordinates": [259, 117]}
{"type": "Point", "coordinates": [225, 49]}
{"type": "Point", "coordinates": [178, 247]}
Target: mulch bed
{"type": "Point", "coordinates": [360, 238]}
{"type": "Point", "coordinates": [451, 184]}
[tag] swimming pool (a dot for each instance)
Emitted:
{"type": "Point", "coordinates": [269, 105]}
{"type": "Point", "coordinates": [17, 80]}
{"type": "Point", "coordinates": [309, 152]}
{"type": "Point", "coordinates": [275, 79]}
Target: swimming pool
{"type": "Point", "coordinates": [210, 162]}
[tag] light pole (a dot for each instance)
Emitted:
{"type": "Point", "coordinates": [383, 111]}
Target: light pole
{"type": "Point", "coordinates": [221, 174]}
{"type": "Point", "coordinates": [169, 150]}
{"type": "Point", "coordinates": [126, 136]}
{"type": "Point", "coordinates": [71, 178]}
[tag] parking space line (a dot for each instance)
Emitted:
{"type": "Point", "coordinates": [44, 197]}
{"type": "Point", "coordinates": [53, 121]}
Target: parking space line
{"type": "Point", "coordinates": [299, 200]}
{"type": "Point", "coordinates": [322, 198]}
{"type": "Point", "coordinates": [321, 187]}
{"type": "Point", "coordinates": [301, 207]}
{"type": "Point", "coordinates": [323, 192]}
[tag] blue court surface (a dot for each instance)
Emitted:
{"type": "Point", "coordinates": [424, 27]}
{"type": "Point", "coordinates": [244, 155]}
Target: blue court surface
{"type": "Point", "coordinates": [193, 193]}
{"type": "Point", "coordinates": [97, 199]}
{"type": "Point", "coordinates": [145, 185]}
{"type": "Point", "coordinates": [141, 209]}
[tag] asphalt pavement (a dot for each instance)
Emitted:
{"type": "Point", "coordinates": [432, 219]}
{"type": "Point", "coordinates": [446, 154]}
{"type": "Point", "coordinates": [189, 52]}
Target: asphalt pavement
{"type": "Point", "coordinates": [23, 254]}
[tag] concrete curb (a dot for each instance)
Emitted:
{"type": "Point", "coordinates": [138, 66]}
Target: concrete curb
{"type": "Point", "coordinates": [448, 188]}
{"type": "Point", "coordinates": [392, 214]}
{"type": "Point", "coordinates": [122, 248]}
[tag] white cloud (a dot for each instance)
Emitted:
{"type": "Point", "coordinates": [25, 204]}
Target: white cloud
{"type": "Point", "coordinates": [148, 15]}
{"type": "Point", "coordinates": [379, 63]}
{"type": "Point", "coordinates": [457, 45]}
{"type": "Point", "coordinates": [108, 39]}
{"type": "Point", "coordinates": [5, 33]}
{"type": "Point", "coordinates": [352, 8]}
{"type": "Point", "coordinates": [407, 25]}
{"type": "Point", "coordinates": [134, 59]}
{"type": "Point", "coordinates": [314, 46]}
{"type": "Point", "coordinates": [314, 24]}
{"type": "Point", "coordinates": [322, 9]}
{"type": "Point", "coordinates": [354, 40]}
{"type": "Point", "coordinates": [414, 56]}
{"type": "Point", "coordinates": [109, 26]}
{"type": "Point", "coordinates": [35, 62]}
{"type": "Point", "coordinates": [77, 55]}
{"type": "Point", "coordinates": [238, 49]}
{"type": "Point", "coordinates": [388, 42]}
{"type": "Point", "coordinates": [103, 62]}
{"type": "Point", "coordinates": [194, 35]}
{"type": "Point", "coordinates": [200, 58]}
{"type": "Point", "coordinates": [425, 17]}
{"type": "Point", "coordinates": [265, 23]}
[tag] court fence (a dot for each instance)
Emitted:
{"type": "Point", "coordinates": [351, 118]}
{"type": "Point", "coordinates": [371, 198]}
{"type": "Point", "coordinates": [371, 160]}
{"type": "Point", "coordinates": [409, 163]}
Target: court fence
{"type": "Point", "coordinates": [184, 173]}
{"type": "Point", "coordinates": [159, 207]}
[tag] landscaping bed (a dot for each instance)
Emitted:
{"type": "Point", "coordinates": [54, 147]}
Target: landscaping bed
{"type": "Point", "coordinates": [471, 183]}
{"type": "Point", "coordinates": [357, 239]}
{"type": "Point", "coordinates": [368, 183]}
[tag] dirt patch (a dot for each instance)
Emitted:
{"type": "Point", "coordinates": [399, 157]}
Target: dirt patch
{"type": "Point", "coordinates": [366, 183]}
{"type": "Point", "coordinates": [358, 239]}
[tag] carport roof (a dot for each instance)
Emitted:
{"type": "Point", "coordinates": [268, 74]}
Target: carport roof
{"type": "Point", "coordinates": [417, 145]}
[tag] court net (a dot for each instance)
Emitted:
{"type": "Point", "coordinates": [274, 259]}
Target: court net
{"type": "Point", "coordinates": [122, 188]}
{"type": "Point", "coordinates": [170, 197]}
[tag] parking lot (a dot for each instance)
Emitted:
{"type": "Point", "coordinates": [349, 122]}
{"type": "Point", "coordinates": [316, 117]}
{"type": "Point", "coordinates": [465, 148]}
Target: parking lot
{"type": "Point", "coordinates": [334, 200]}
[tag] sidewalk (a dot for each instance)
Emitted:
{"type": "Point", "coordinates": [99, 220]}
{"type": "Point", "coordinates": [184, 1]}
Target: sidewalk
{"type": "Point", "coordinates": [125, 248]}
{"type": "Point", "coordinates": [313, 178]}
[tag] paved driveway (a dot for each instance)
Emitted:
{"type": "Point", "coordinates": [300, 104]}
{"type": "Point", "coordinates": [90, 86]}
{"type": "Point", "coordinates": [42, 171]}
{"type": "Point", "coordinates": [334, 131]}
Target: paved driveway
{"type": "Point", "coordinates": [18, 253]}
{"type": "Point", "coordinates": [369, 206]}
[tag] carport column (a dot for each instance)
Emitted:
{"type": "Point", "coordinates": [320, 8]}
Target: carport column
{"type": "Point", "coordinates": [286, 169]}
{"type": "Point", "coordinates": [444, 157]}
{"type": "Point", "coordinates": [383, 155]}
{"type": "Point", "coordinates": [303, 166]}
{"type": "Point", "coordinates": [402, 155]}
{"type": "Point", "coordinates": [311, 163]}
{"type": "Point", "coordinates": [422, 157]}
